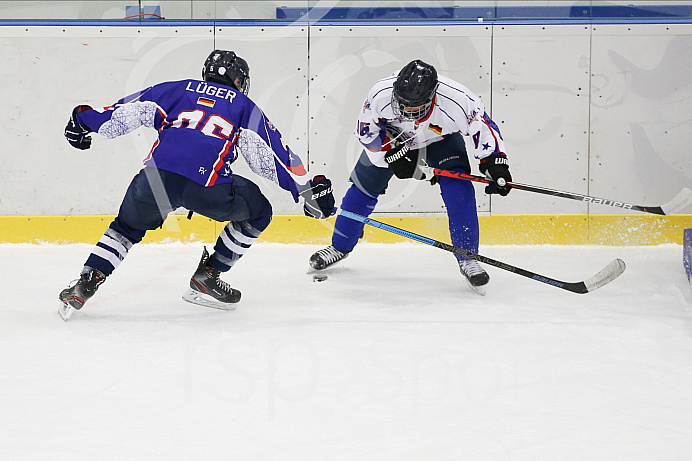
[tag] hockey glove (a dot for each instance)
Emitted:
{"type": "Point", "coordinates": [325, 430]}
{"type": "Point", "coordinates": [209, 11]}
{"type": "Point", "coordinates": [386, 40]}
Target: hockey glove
{"type": "Point", "coordinates": [496, 168]}
{"type": "Point", "coordinates": [319, 201]}
{"type": "Point", "coordinates": [77, 134]}
{"type": "Point", "coordinates": [404, 162]}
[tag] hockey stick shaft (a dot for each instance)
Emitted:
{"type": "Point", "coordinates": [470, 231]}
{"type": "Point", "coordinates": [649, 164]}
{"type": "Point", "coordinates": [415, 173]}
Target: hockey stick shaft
{"type": "Point", "coordinates": [608, 274]}
{"type": "Point", "coordinates": [683, 199]}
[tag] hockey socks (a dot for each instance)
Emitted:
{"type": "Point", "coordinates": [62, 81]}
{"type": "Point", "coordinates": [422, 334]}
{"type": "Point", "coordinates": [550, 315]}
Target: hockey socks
{"type": "Point", "coordinates": [113, 246]}
{"type": "Point", "coordinates": [347, 231]}
{"type": "Point", "coordinates": [235, 239]}
{"type": "Point", "coordinates": [460, 199]}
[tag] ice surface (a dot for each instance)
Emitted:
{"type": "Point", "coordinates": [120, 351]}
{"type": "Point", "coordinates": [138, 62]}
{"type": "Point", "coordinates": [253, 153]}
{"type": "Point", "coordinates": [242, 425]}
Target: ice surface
{"type": "Point", "coordinates": [391, 358]}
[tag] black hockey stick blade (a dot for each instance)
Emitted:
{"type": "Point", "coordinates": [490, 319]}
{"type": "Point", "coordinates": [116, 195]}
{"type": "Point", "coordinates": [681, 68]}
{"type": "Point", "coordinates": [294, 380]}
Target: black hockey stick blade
{"type": "Point", "coordinates": [606, 275]}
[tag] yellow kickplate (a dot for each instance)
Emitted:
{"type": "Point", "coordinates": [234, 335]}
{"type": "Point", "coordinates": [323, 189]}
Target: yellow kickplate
{"type": "Point", "coordinates": [494, 230]}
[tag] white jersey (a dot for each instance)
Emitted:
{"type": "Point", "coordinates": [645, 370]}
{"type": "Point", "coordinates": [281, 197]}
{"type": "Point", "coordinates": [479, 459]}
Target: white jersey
{"type": "Point", "coordinates": [455, 110]}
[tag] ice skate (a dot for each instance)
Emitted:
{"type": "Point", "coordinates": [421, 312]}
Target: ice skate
{"type": "Point", "coordinates": [326, 257]}
{"type": "Point", "coordinates": [207, 289]}
{"type": "Point", "coordinates": [476, 277]}
{"type": "Point", "coordinates": [74, 297]}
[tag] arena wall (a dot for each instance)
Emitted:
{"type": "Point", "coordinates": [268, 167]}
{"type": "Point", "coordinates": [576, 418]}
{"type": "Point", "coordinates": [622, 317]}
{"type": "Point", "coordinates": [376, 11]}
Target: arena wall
{"type": "Point", "coordinates": [595, 109]}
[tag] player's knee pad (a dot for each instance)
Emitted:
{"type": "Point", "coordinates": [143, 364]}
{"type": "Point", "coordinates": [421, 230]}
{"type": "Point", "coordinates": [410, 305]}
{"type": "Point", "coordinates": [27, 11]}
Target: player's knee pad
{"type": "Point", "coordinates": [261, 216]}
{"type": "Point", "coordinates": [457, 193]}
{"type": "Point", "coordinates": [347, 231]}
{"type": "Point", "coordinates": [460, 200]}
{"type": "Point", "coordinates": [126, 232]}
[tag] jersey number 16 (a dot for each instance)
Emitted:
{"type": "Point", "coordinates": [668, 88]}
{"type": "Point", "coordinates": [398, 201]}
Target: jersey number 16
{"type": "Point", "coordinates": [214, 124]}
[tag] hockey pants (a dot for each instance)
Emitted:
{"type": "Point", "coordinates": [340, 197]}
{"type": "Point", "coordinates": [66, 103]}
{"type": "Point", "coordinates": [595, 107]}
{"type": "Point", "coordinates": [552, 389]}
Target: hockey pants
{"type": "Point", "coordinates": [370, 181]}
{"type": "Point", "coordinates": [154, 193]}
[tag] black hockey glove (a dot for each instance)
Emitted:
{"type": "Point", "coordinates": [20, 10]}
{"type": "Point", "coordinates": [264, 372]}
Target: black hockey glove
{"type": "Point", "coordinates": [319, 201]}
{"type": "Point", "coordinates": [404, 162]}
{"type": "Point", "coordinates": [496, 168]}
{"type": "Point", "coordinates": [76, 134]}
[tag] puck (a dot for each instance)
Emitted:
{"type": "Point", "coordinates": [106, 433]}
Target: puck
{"type": "Point", "coordinates": [319, 278]}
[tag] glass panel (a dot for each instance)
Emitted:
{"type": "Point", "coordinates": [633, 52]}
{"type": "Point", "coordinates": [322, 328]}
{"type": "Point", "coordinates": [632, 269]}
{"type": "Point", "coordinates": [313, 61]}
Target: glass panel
{"type": "Point", "coordinates": [137, 10]}
{"type": "Point", "coordinates": [70, 10]}
{"type": "Point", "coordinates": [244, 10]}
{"type": "Point", "coordinates": [393, 10]}
{"type": "Point", "coordinates": [348, 10]}
{"type": "Point", "coordinates": [562, 10]}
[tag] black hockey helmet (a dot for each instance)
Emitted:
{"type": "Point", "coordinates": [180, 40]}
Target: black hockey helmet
{"type": "Point", "coordinates": [226, 67]}
{"type": "Point", "coordinates": [414, 87]}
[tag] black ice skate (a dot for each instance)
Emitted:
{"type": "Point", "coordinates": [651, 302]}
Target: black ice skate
{"type": "Point", "coordinates": [75, 296]}
{"type": "Point", "coordinates": [476, 277]}
{"type": "Point", "coordinates": [207, 289]}
{"type": "Point", "coordinates": [326, 257]}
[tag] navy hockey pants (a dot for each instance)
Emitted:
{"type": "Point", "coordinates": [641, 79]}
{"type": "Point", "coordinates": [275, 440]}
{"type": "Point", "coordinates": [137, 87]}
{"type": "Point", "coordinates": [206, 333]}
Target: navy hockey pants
{"type": "Point", "coordinates": [154, 193]}
{"type": "Point", "coordinates": [370, 181]}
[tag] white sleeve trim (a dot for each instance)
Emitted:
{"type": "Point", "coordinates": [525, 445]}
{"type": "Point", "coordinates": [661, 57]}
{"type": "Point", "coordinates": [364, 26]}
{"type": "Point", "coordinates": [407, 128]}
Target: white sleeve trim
{"type": "Point", "coordinates": [257, 154]}
{"type": "Point", "coordinates": [128, 117]}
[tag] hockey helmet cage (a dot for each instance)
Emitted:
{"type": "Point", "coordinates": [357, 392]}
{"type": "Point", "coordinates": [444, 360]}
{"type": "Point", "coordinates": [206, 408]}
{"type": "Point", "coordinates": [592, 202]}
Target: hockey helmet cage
{"type": "Point", "coordinates": [226, 67]}
{"type": "Point", "coordinates": [415, 87]}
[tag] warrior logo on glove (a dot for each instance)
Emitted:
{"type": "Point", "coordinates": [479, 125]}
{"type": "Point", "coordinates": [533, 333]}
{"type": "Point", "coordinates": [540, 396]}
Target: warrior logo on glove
{"type": "Point", "coordinates": [496, 168]}
{"type": "Point", "coordinates": [404, 162]}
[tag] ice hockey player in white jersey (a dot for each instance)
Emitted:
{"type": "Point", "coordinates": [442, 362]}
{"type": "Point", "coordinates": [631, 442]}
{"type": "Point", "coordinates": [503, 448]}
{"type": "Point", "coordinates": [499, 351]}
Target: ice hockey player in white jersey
{"type": "Point", "coordinates": [418, 117]}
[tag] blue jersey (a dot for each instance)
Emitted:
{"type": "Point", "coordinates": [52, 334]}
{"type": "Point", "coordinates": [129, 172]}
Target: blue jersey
{"type": "Point", "coordinates": [202, 126]}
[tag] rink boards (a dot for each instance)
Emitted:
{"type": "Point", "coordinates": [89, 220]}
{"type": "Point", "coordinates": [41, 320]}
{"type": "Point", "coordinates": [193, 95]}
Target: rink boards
{"type": "Point", "coordinates": [578, 229]}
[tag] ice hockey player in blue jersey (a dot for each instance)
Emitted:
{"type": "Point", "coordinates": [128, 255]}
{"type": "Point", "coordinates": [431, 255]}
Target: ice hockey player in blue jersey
{"type": "Point", "coordinates": [203, 125]}
{"type": "Point", "coordinates": [411, 118]}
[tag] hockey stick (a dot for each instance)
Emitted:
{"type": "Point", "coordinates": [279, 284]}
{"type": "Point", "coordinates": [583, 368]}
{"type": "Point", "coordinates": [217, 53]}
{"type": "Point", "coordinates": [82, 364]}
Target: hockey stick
{"type": "Point", "coordinates": [606, 275]}
{"type": "Point", "coordinates": [680, 201]}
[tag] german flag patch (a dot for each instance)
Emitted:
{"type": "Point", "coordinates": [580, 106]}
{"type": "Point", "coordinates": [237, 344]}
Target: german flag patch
{"type": "Point", "coordinates": [206, 102]}
{"type": "Point", "coordinates": [435, 128]}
